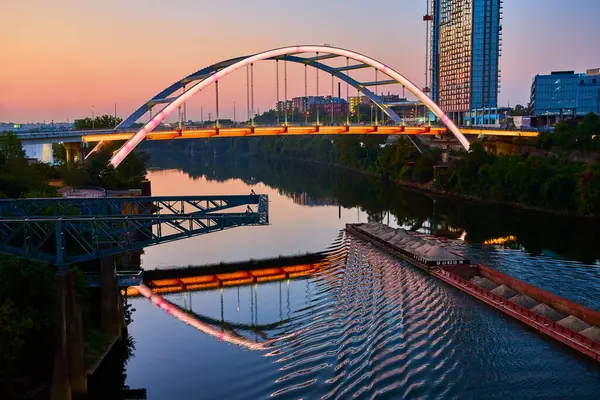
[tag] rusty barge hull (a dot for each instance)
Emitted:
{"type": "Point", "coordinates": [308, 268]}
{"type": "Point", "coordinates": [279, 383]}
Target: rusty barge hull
{"type": "Point", "coordinates": [458, 276]}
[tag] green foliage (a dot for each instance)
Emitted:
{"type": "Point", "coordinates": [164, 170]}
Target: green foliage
{"type": "Point", "coordinates": [547, 182]}
{"type": "Point", "coordinates": [18, 176]}
{"type": "Point", "coordinates": [10, 148]}
{"type": "Point", "coordinates": [59, 153]}
{"type": "Point", "coordinates": [519, 110]}
{"type": "Point", "coordinates": [97, 171]}
{"type": "Point", "coordinates": [101, 122]}
{"type": "Point", "coordinates": [27, 298]}
{"type": "Point", "coordinates": [571, 135]}
{"type": "Point", "coordinates": [588, 187]}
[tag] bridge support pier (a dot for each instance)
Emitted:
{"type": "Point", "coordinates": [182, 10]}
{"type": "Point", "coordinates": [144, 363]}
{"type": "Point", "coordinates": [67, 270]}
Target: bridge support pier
{"type": "Point", "coordinates": [74, 152]}
{"type": "Point", "coordinates": [69, 375]}
{"type": "Point", "coordinates": [78, 374]}
{"type": "Point", "coordinates": [109, 301]}
{"type": "Point", "coordinates": [61, 385]}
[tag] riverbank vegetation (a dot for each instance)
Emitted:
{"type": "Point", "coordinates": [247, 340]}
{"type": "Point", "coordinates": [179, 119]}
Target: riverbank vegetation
{"type": "Point", "coordinates": [28, 288]}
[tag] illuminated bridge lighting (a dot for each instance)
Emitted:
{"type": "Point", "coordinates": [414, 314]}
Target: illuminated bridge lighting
{"type": "Point", "coordinates": [501, 240]}
{"type": "Point", "coordinates": [227, 279]}
{"type": "Point", "coordinates": [213, 74]}
{"type": "Point", "coordinates": [221, 333]}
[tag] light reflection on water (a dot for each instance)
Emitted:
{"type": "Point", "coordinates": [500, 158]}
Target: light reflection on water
{"type": "Point", "coordinates": [370, 327]}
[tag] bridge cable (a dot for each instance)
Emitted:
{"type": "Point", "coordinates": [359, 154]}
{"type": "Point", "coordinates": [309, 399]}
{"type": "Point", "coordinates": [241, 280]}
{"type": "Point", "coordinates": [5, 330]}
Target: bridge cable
{"type": "Point", "coordinates": [184, 107]}
{"type": "Point", "coordinates": [358, 105]}
{"type": "Point", "coordinates": [277, 83]}
{"type": "Point", "coordinates": [347, 92]}
{"type": "Point", "coordinates": [332, 93]}
{"type": "Point", "coordinates": [252, 90]}
{"type": "Point", "coordinates": [217, 103]}
{"type": "Point", "coordinates": [285, 91]}
{"type": "Point", "coordinates": [248, 91]}
{"type": "Point", "coordinates": [318, 105]}
{"type": "Point", "coordinates": [305, 94]}
{"type": "Point", "coordinates": [377, 95]}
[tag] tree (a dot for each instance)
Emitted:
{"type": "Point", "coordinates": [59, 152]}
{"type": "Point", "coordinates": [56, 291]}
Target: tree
{"type": "Point", "coordinates": [519, 110]}
{"type": "Point", "coordinates": [11, 148]}
{"type": "Point", "coordinates": [101, 122]}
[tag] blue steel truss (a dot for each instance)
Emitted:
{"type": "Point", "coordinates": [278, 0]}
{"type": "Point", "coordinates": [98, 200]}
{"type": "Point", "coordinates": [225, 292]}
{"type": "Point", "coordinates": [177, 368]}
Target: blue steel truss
{"type": "Point", "coordinates": [64, 238]}
{"type": "Point", "coordinates": [110, 206]}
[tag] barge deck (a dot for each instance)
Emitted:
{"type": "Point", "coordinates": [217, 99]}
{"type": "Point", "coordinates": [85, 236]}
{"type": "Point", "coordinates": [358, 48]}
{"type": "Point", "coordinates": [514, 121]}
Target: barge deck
{"type": "Point", "coordinates": [570, 323]}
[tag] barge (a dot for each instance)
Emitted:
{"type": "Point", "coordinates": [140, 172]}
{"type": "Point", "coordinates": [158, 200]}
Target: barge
{"type": "Point", "coordinates": [568, 322]}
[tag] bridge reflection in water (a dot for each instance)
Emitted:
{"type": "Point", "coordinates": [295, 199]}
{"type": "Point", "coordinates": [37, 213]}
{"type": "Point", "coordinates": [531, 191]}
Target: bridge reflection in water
{"type": "Point", "coordinates": [221, 276]}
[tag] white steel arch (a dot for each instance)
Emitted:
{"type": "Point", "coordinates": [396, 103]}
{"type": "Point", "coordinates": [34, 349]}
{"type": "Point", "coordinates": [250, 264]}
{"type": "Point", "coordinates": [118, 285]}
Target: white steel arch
{"type": "Point", "coordinates": [132, 143]}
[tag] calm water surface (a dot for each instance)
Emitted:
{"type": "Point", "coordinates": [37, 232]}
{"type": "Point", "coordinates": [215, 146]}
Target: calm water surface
{"type": "Point", "coordinates": [369, 326]}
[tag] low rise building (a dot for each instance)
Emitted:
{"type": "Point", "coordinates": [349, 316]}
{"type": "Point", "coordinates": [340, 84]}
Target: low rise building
{"type": "Point", "coordinates": [565, 94]}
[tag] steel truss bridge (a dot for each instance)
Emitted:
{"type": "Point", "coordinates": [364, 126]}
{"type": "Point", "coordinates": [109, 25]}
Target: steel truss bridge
{"type": "Point", "coordinates": [320, 58]}
{"type": "Point", "coordinates": [63, 231]}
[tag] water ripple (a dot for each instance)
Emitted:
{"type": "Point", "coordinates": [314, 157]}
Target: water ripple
{"type": "Point", "coordinates": [373, 326]}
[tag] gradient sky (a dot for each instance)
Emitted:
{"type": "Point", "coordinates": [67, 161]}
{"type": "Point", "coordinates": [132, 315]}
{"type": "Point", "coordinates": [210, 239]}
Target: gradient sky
{"type": "Point", "coordinates": [58, 58]}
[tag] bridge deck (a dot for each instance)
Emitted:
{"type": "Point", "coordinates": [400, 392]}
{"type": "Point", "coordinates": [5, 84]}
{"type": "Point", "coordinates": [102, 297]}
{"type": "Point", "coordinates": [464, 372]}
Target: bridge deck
{"type": "Point", "coordinates": [237, 131]}
{"type": "Point", "coordinates": [203, 133]}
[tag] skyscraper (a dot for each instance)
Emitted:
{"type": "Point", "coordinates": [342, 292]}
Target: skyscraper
{"type": "Point", "coordinates": [465, 50]}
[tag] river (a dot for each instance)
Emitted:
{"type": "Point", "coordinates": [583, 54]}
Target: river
{"type": "Point", "coordinates": [371, 327]}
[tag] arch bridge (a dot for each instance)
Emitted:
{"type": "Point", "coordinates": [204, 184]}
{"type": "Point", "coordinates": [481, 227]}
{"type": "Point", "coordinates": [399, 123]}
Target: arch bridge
{"type": "Point", "coordinates": [175, 96]}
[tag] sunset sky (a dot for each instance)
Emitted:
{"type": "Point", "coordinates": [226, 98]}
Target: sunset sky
{"type": "Point", "coordinates": [58, 58]}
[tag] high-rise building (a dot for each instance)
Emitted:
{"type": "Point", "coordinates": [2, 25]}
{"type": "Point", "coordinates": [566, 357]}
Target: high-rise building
{"type": "Point", "coordinates": [465, 50]}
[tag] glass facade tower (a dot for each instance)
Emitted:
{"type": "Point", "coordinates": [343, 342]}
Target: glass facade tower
{"type": "Point", "coordinates": [565, 94]}
{"type": "Point", "coordinates": [465, 52]}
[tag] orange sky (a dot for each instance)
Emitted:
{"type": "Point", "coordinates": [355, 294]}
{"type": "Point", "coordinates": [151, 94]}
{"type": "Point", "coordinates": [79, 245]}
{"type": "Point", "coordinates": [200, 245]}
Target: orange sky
{"type": "Point", "coordinates": [59, 58]}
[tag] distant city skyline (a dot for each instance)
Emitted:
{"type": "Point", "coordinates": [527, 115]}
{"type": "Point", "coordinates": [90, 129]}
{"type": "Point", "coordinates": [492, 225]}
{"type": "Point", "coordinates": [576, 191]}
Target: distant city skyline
{"type": "Point", "coordinates": [59, 59]}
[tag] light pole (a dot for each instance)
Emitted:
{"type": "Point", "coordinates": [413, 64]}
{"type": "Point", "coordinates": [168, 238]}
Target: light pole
{"type": "Point", "coordinates": [93, 117]}
{"type": "Point", "coordinates": [234, 112]}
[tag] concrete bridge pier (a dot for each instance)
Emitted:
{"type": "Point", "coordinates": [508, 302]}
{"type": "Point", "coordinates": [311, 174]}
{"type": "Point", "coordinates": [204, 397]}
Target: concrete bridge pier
{"type": "Point", "coordinates": [74, 152]}
{"type": "Point", "coordinates": [69, 375]}
{"type": "Point", "coordinates": [61, 385]}
{"type": "Point", "coordinates": [110, 307]}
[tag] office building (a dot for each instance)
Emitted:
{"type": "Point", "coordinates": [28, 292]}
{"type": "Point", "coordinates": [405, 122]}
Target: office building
{"type": "Point", "coordinates": [357, 101]}
{"type": "Point", "coordinates": [465, 51]}
{"type": "Point", "coordinates": [325, 104]}
{"type": "Point", "coordinates": [565, 94]}
{"type": "Point", "coordinates": [328, 105]}
{"type": "Point", "coordinates": [284, 105]}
